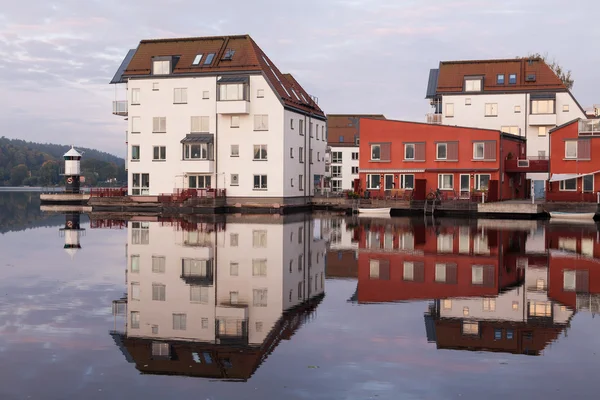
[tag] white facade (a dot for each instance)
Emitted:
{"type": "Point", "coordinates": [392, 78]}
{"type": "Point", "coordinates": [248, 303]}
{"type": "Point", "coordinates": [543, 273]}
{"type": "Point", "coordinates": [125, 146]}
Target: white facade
{"type": "Point", "coordinates": [511, 112]}
{"type": "Point", "coordinates": [343, 168]}
{"type": "Point", "coordinates": [237, 283]}
{"type": "Point", "coordinates": [157, 160]}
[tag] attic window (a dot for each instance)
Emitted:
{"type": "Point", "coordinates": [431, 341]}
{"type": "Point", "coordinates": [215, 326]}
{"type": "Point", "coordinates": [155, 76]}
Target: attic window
{"type": "Point", "coordinates": [209, 59]}
{"type": "Point", "coordinates": [228, 54]}
{"type": "Point", "coordinates": [530, 78]}
{"type": "Point", "coordinates": [512, 79]}
{"type": "Point", "coordinates": [161, 67]}
{"type": "Point", "coordinates": [473, 84]}
{"type": "Point", "coordinates": [197, 59]}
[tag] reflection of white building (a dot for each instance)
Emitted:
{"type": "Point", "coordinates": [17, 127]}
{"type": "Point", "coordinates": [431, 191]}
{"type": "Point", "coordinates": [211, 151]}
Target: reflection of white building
{"type": "Point", "coordinates": [216, 288]}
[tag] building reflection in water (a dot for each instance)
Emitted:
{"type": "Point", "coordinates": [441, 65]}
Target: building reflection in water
{"type": "Point", "coordinates": [213, 299]}
{"type": "Point", "coordinates": [493, 285]}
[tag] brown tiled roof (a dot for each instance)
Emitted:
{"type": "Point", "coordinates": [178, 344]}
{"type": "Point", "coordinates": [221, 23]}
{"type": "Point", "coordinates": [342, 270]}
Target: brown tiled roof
{"type": "Point", "coordinates": [452, 74]}
{"type": "Point", "coordinates": [345, 126]}
{"type": "Point", "coordinates": [248, 58]}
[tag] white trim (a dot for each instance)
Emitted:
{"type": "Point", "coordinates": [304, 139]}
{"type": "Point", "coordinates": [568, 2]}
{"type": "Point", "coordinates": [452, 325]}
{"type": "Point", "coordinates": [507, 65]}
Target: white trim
{"type": "Point", "coordinates": [437, 151]}
{"type": "Point", "coordinates": [439, 181]}
{"type": "Point", "coordinates": [593, 184]}
{"type": "Point", "coordinates": [561, 186]}
{"type": "Point", "coordinates": [576, 150]}
{"type": "Point", "coordinates": [413, 147]}
{"type": "Point", "coordinates": [474, 153]}
{"type": "Point", "coordinates": [402, 181]}
{"type": "Point", "coordinates": [372, 146]}
{"type": "Point", "coordinates": [460, 183]}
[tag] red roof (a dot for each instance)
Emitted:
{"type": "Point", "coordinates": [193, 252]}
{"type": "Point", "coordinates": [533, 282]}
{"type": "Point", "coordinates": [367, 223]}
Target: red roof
{"type": "Point", "coordinates": [342, 128]}
{"type": "Point", "coordinates": [247, 58]}
{"type": "Point", "coordinates": [452, 74]}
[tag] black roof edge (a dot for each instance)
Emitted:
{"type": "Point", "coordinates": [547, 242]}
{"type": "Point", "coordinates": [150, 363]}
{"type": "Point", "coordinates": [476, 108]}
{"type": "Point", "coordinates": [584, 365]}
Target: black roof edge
{"type": "Point", "coordinates": [434, 74]}
{"type": "Point", "coordinates": [565, 124]}
{"type": "Point", "coordinates": [118, 78]}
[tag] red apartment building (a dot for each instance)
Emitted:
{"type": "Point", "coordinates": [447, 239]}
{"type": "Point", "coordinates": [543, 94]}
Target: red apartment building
{"type": "Point", "coordinates": [574, 161]}
{"type": "Point", "coordinates": [420, 158]}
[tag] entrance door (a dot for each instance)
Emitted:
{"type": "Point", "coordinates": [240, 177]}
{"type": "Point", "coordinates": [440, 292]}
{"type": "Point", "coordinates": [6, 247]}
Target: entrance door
{"type": "Point", "coordinates": [538, 189]}
{"type": "Point", "coordinates": [465, 185]}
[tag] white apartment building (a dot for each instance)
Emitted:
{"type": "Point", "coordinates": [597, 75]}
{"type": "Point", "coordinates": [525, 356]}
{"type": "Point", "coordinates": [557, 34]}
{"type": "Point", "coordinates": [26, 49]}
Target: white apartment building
{"type": "Point", "coordinates": [343, 133]}
{"type": "Point", "coordinates": [215, 287]}
{"type": "Point", "coordinates": [519, 96]}
{"type": "Point", "coordinates": [217, 113]}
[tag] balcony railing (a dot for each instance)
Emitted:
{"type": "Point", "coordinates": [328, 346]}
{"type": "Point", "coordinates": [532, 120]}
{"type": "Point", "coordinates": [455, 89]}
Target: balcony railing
{"type": "Point", "coordinates": [589, 127]}
{"type": "Point", "coordinates": [120, 107]}
{"type": "Point", "coordinates": [529, 164]}
{"type": "Point", "coordinates": [434, 118]}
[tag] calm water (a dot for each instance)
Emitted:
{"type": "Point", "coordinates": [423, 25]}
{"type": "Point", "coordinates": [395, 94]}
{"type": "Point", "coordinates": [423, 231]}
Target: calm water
{"type": "Point", "coordinates": [295, 308]}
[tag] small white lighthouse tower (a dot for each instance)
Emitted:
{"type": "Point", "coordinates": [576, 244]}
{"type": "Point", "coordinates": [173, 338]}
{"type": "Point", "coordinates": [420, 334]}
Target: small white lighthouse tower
{"type": "Point", "coordinates": [72, 232]}
{"type": "Point", "coordinates": [72, 170]}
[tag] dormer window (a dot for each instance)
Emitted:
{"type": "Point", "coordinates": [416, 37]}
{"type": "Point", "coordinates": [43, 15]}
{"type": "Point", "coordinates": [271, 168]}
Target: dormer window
{"type": "Point", "coordinates": [473, 84]}
{"type": "Point", "coordinates": [512, 79]}
{"type": "Point", "coordinates": [161, 67]}
{"type": "Point", "coordinates": [228, 54]}
{"type": "Point", "coordinates": [209, 59]}
{"type": "Point", "coordinates": [197, 59]}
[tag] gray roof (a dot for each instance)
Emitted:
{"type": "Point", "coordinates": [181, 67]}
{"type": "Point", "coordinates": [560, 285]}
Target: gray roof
{"type": "Point", "coordinates": [233, 79]}
{"type": "Point", "coordinates": [432, 84]}
{"type": "Point", "coordinates": [118, 78]}
{"type": "Point", "coordinates": [198, 138]}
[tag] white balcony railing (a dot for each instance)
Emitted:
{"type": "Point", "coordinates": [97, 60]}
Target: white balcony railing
{"type": "Point", "coordinates": [589, 127]}
{"type": "Point", "coordinates": [120, 107]}
{"type": "Point", "coordinates": [434, 118]}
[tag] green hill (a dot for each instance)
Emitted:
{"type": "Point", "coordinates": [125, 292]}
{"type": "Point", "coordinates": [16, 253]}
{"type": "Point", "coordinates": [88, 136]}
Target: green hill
{"type": "Point", "coordinates": [39, 164]}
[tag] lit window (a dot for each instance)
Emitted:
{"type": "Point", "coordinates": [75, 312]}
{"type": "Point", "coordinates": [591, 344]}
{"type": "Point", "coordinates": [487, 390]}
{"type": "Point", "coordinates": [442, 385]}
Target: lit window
{"type": "Point", "coordinates": [571, 149]}
{"type": "Point", "coordinates": [470, 328]}
{"type": "Point", "coordinates": [473, 85]}
{"type": "Point", "coordinates": [197, 59]}
{"type": "Point", "coordinates": [542, 130]}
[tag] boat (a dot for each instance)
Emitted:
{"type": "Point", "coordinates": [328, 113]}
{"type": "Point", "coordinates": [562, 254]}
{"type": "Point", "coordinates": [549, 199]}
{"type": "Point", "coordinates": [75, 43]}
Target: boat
{"type": "Point", "coordinates": [374, 211]}
{"type": "Point", "coordinates": [572, 215]}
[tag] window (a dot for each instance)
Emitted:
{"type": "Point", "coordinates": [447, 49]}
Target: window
{"type": "Point", "coordinates": [259, 267]}
{"type": "Point", "coordinates": [301, 126]}
{"type": "Point", "coordinates": [571, 149]}
{"type": "Point", "coordinates": [512, 79]}
{"type": "Point", "coordinates": [568, 185]}
{"type": "Point", "coordinates": [356, 138]}
{"type": "Point", "coordinates": [198, 294]}
{"type": "Point", "coordinates": [233, 240]}
{"type": "Point", "coordinates": [441, 151]}
{"type": "Point", "coordinates": [336, 171]}
{"type": "Point", "coordinates": [517, 109]}
{"type": "Point", "coordinates": [445, 243]}
{"type": "Point", "coordinates": [200, 124]}
{"type": "Point", "coordinates": [158, 264]}
{"type": "Point", "coordinates": [468, 101]}
{"type": "Point", "coordinates": [491, 109]}
{"type": "Point", "coordinates": [259, 325]}
{"type": "Point", "coordinates": [464, 240]}
{"type": "Point", "coordinates": [292, 123]}
{"type": "Point", "coordinates": [588, 183]}
{"type": "Point", "coordinates": [135, 264]}
{"type": "Point", "coordinates": [260, 152]}
{"type": "Point", "coordinates": [259, 239]}
{"type": "Point", "coordinates": [310, 129]}
{"type": "Point", "coordinates": [205, 95]}
{"type": "Point", "coordinates": [407, 181]}
{"type": "Point", "coordinates": [569, 280]}
{"type": "Point", "coordinates": [446, 181]}
{"type": "Point", "coordinates": [375, 152]}
{"type": "Point", "coordinates": [336, 157]}
{"type": "Point", "coordinates": [408, 273]}
{"type": "Point", "coordinates": [477, 275]}
{"type": "Point", "coordinates": [196, 267]}
{"type": "Point", "coordinates": [197, 59]}
{"type": "Point", "coordinates": [260, 182]}
{"type": "Point", "coordinates": [409, 151]}
{"type": "Point", "coordinates": [354, 170]}
{"type": "Point", "coordinates": [388, 181]}
{"type": "Point", "coordinates": [355, 155]}
{"type": "Point", "coordinates": [565, 108]}
{"type": "Point", "coordinates": [234, 269]}
{"type": "Point", "coordinates": [235, 150]}
{"type": "Point", "coordinates": [447, 304]}
{"type": "Point", "coordinates": [159, 153]}
{"type": "Point", "coordinates": [478, 151]}
{"type": "Point", "coordinates": [209, 58]}
{"type": "Point", "coordinates": [509, 334]}
{"type": "Point", "coordinates": [235, 180]}
{"type": "Point", "coordinates": [158, 292]}
{"type": "Point", "coordinates": [135, 96]}
{"type": "Point", "coordinates": [155, 86]}
{"type": "Point", "coordinates": [155, 329]}
{"type": "Point", "coordinates": [135, 319]}
{"type": "Point", "coordinates": [449, 110]}
{"type": "Point", "coordinates": [466, 311]}
{"type": "Point", "coordinates": [261, 122]}
{"type": "Point", "coordinates": [180, 96]}
{"type": "Point", "coordinates": [259, 297]}
{"type": "Point", "coordinates": [159, 124]}
{"type": "Point", "coordinates": [197, 151]}
{"type": "Point", "coordinates": [542, 106]}
{"type": "Point", "coordinates": [135, 153]}
{"type": "Point", "coordinates": [440, 273]}
{"type": "Point", "coordinates": [135, 291]}
{"type": "Point", "coordinates": [300, 182]}
{"type": "Point", "coordinates": [341, 140]}
{"type": "Point", "coordinates": [260, 93]}
{"type": "Point", "coordinates": [540, 308]}
{"type": "Point", "coordinates": [336, 185]}
{"type": "Point", "coordinates": [199, 181]}
{"type": "Point", "coordinates": [489, 304]}
{"type": "Point", "coordinates": [542, 130]}
{"type": "Point", "coordinates": [231, 92]}
{"type": "Point", "coordinates": [300, 155]}
{"type": "Point", "coordinates": [470, 328]}
{"type": "Point", "coordinates": [514, 130]}
{"type": "Point", "coordinates": [373, 181]}
{"type": "Point", "coordinates": [482, 181]}
{"type": "Point", "coordinates": [161, 67]}
{"type": "Point", "coordinates": [140, 184]}
{"type": "Point", "coordinates": [235, 121]}
{"type": "Point", "coordinates": [497, 334]}
{"type": "Point", "coordinates": [515, 305]}
{"type": "Point", "coordinates": [473, 85]}
{"type": "Point", "coordinates": [135, 125]}
{"type": "Point", "coordinates": [179, 322]}
{"type": "Point", "coordinates": [500, 79]}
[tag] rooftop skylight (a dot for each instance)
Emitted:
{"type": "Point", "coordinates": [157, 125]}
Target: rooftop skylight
{"type": "Point", "coordinates": [209, 59]}
{"type": "Point", "coordinates": [228, 54]}
{"type": "Point", "coordinates": [197, 59]}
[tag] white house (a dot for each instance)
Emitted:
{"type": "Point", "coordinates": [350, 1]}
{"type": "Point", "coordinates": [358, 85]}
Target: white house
{"type": "Point", "coordinates": [217, 113]}
{"type": "Point", "coordinates": [208, 286]}
{"type": "Point", "coordinates": [519, 96]}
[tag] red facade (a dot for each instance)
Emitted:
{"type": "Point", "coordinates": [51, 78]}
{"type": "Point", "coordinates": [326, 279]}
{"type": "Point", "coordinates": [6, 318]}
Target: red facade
{"type": "Point", "coordinates": [409, 156]}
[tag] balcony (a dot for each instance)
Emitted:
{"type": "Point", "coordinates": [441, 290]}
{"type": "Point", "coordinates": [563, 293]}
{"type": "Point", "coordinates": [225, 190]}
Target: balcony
{"type": "Point", "coordinates": [434, 118]}
{"type": "Point", "coordinates": [589, 127]}
{"type": "Point", "coordinates": [542, 119]}
{"type": "Point", "coordinates": [233, 107]}
{"type": "Point", "coordinates": [120, 108]}
{"type": "Point", "coordinates": [529, 164]}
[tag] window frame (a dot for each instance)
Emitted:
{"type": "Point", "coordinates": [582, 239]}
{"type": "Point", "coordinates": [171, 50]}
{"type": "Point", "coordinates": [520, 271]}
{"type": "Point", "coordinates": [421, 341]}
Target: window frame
{"type": "Point", "coordinates": [402, 180]}
{"type": "Point", "coordinates": [550, 106]}
{"type": "Point", "coordinates": [437, 151]}
{"type": "Point", "coordinates": [449, 110]}
{"type": "Point", "coordinates": [263, 152]}
{"type": "Point", "coordinates": [373, 147]}
{"type": "Point", "coordinates": [187, 152]}
{"type": "Point", "coordinates": [262, 124]}
{"type": "Point", "coordinates": [159, 121]}
{"type": "Point", "coordinates": [138, 152]}
{"type": "Point", "coordinates": [475, 145]}
{"type": "Point", "coordinates": [512, 79]}
{"type": "Point", "coordinates": [162, 153]}
{"type": "Point", "coordinates": [500, 79]}
{"type": "Point", "coordinates": [567, 142]}
{"type": "Point", "coordinates": [477, 181]}
{"type": "Point", "coordinates": [563, 185]}
{"type": "Point", "coordinates": [262, 182]}
{"type": "Point", "coordinates": [369, 182]}
{"type": "Point", "coordinates": [473, 88]}
{"type": "Point", "coordinates": [182, 95]}
{"type": "Point", "coordinates": [583, 183]}
{"type": "Point", "coordinates": [440, 181]}
{"type": "Point", "coordinates": [493, 107]}
{"type": "Point", "coordinates": [406, 147]}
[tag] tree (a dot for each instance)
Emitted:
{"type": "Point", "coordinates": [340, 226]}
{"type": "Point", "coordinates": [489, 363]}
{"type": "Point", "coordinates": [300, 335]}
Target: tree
{"type": "Point", "coordinates": [562, 74]}
{"type": "Point", "coordinates": [18, 174]}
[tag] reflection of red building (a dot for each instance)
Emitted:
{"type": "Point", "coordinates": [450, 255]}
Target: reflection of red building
{"type": "Point", "coordinates": [414, 262]}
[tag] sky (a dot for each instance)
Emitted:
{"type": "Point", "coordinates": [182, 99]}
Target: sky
{"type": "Point", "coordinates": [356, 56]}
